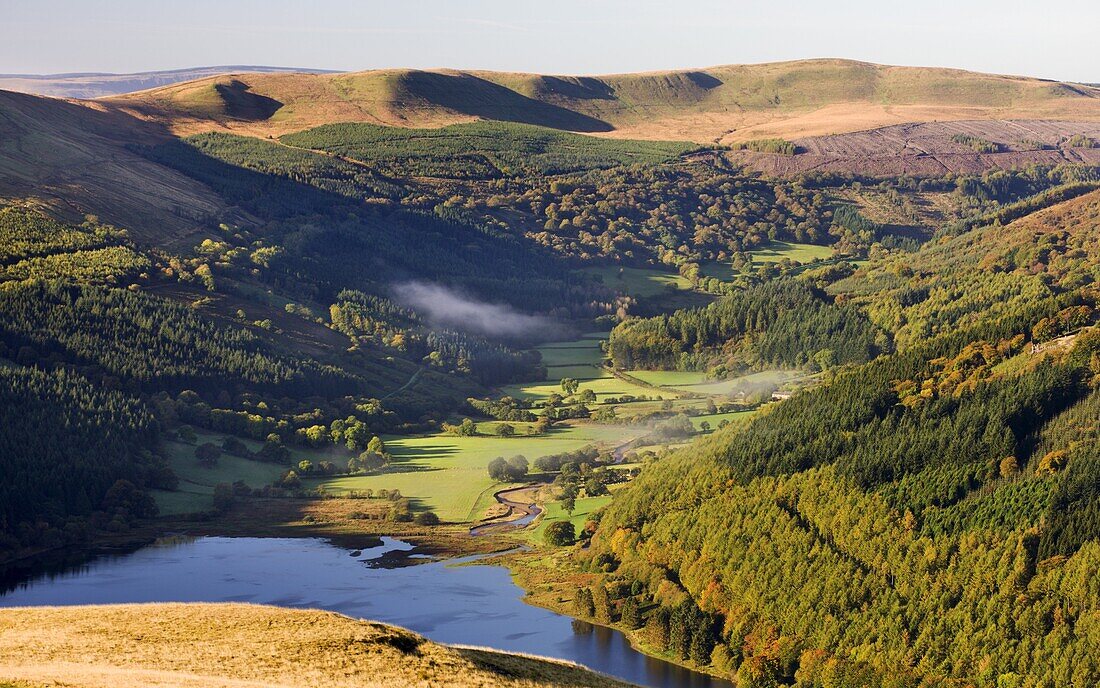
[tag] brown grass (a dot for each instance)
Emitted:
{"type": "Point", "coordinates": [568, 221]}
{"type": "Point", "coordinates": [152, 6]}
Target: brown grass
{"type": "Point", "coordinates": [727, 103]}
{"type": "Point", "coordinates": [246, 646]}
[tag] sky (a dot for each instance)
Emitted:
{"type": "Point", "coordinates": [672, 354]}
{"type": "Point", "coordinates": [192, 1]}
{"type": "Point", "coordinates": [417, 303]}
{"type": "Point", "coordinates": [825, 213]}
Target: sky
{"type": "Point", "coordinates": [1054, 39]}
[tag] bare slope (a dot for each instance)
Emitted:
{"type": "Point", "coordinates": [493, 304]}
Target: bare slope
{"type": "Point", "coordinates": [933, 149]}
{"type": "Point", "coordinates": [96, 85]}
{"type": "Point", "coordinates": [727, 103]}
{"type": "Point", "coordinates": [75, 158]}
{"type": "Point", "coordinates": [239, 646]}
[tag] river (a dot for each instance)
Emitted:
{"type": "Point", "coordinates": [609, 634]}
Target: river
{"type": "Point", "coordinates": [457, 601]}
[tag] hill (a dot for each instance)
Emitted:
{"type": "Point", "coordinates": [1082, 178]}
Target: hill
{"type": "Point", "coordinates": [950, 484]}
{"type": "Point", "coordinates": [98, 84]}
{"type": "Point", "coordinates": [77, 158]}
{"type": "Point", "coordinates": [926, 149]}
{"type": "Point", "coordinates": [239, 645]}
{"type": "Point", "coordinates": [726, 103]}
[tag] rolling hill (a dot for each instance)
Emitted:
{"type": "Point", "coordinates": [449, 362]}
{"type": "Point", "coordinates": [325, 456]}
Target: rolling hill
{"type": "Point", "coordinates": [727, 103]}
{"type": "Point", "coordinates": [77, 156]}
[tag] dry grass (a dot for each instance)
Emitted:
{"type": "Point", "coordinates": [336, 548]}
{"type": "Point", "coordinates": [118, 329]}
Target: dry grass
{"type": "Point", "coordinates": [728, 103]}
{"type": "Point", "coordinates": [239, 646]}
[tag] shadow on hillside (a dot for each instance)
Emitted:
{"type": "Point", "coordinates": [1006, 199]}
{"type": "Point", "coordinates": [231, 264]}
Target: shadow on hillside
{"type": "Point", "coordinates": [242, 103]}
{"type": "Point", "coordinates": [478, 97]}
{"type": "Point", "coordinates": [577, 88]}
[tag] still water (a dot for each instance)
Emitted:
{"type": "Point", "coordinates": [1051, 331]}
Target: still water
{"type": "Point", "coordinates": [474, 604]}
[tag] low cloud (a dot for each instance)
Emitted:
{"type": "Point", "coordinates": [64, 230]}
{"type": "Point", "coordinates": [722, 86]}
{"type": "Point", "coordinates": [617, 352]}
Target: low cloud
{"type": "Point", "coordinates": [447, 308]}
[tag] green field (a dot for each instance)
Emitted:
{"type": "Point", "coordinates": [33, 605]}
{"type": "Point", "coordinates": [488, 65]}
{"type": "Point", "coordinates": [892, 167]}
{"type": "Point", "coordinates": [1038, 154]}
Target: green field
{"type": "Point", "coordinates": [604, 387]}
{"type": "Point", "coordinates": [771, 253]}
{"type": "Point", "coordinates": [580, 359]}
{"type": "Point", "coordinates": [697, 382]}
{"type": "Point", "coordinates": [553, 512]}
{"type": "Point", "coordinates": [196, 486]}
{"type": "Point", "coordinates": [669, 378]}
{"type": "Point", "coordinates": [802, 253]}
{"type": "Point", "coordinates": [447, 473]}
{"type": "Point", "coordinates": [639, 282]}
{"type": "Point", "coordinates": [715, 418]}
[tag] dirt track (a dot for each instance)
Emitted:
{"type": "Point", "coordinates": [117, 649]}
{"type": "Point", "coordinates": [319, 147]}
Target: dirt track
{"type": "Point", "coordinates": [927, 149]}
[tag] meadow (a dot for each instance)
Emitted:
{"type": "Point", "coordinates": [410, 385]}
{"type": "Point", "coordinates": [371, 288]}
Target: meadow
{"type": "Point", "coordinates": [697, 382]}
{"type": "Point", "coordinates": [639, 282]}
{"type": "Point", "coordinates": [773, 252]}
{"type": "Point", "coordinates": [552, 511]}
{"type": "Point", "coordinates": [196, 483]}
{"type": "Point", "coordinates": [448, 473]}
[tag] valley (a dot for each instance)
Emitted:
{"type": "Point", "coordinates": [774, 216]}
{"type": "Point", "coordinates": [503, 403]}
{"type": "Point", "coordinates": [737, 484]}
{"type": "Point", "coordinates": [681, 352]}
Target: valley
{"type": "Point", "coordinates": [758, 375]}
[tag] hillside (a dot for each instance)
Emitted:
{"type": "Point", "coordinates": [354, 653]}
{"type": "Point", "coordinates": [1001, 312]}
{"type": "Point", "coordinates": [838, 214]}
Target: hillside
{"type": "Point", "coordinates": [927, 518]}
{"type": "Point", "coordinates": [98, 84]}
{"type": "Point", "coordinates": [726, 103]}
{"type": "Point", "coordinates": [76, 158]}
{"type": "Point", "coordinates": [238, 645]}
{"type": "Point", "coordinates": [935, 148]}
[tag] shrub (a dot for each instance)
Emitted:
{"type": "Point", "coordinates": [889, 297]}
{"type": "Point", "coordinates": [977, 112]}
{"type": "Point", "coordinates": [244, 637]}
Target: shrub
{"type": "Point", "coordinates": [560, 534]}
{"type": "Point", "coordinates": [207, 453]}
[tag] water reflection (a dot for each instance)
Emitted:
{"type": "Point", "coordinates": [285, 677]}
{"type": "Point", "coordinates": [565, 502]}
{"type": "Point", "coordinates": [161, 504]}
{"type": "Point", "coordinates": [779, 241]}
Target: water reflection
{"type": "Point", "coordinates": [470, 604]}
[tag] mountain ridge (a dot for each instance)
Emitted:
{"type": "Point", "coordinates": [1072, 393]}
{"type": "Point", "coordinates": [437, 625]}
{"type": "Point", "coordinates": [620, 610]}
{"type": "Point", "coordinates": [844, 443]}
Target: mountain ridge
{"type": "Point", "coordinates": [727, 103]}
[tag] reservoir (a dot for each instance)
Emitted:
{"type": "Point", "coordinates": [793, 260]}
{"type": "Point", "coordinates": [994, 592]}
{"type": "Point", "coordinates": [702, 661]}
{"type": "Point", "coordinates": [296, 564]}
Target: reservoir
{"type": "Point", "coordinates": [458, 601]}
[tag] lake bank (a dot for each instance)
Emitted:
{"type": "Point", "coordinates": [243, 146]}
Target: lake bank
{"type": "Point", "coordinates": [474, 603]}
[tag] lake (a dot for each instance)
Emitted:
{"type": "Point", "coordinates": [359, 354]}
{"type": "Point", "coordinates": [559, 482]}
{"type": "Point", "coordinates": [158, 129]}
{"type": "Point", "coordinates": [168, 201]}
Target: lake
{"type": "Point", "coordinates": [470, 604]}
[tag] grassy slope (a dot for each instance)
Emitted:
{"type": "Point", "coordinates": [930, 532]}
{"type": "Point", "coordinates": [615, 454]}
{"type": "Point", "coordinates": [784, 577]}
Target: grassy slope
{"type": "Point", "coordinates": [249, 646]}
{"type": "Point", "coordinates": [639, 282]}
{"type": "Point", "coordinates": [554, 512]}
{"type": "Point", "coordinates": [777, 99]}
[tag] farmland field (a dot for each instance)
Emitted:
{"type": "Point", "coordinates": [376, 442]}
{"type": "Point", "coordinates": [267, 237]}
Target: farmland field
{"type": "Point", "coordinates": [697, 382]}
{"type": "Point", "coordinates": [554, 512]}
{"type": "Point", "coordinates": [715, 418]}
{"type": "Point", "coordinates": [778, 250]}
{"type": "Point", "coordinates": [771, 253]}
{"type": "Point", "coordinates": [196, 486]}
{"type": "Point", "coordinates": [447, 473]}
{"type": "Point", "coordinates": [639, 282]}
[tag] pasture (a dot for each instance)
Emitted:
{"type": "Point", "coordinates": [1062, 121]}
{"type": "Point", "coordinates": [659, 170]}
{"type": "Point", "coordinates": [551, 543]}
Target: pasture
{"type": "Point", "coordinates": [196, 483]}
{"type": "Point", "coordinates": [448, 474]}
{"type": "Point", "coordinates": [639, 282]}
{"type": "Point", "coordinates": [773, 252]}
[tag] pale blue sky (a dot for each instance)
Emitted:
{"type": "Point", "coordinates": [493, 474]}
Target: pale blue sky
{"type": "Point", "coordinates": [1054, 38]}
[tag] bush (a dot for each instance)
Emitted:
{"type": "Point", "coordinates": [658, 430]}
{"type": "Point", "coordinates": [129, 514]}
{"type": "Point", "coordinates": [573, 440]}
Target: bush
{"type": "Point", "coordinates": [208, 453]}
{"type": "Point", "coordinates": [560, 534]}
{"type": "Point", "coordinates": [426, 518]}
{"type": "Point", "coordinates": [512, 469]}
{"type": "Point", "coordinates": [223, 497]}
